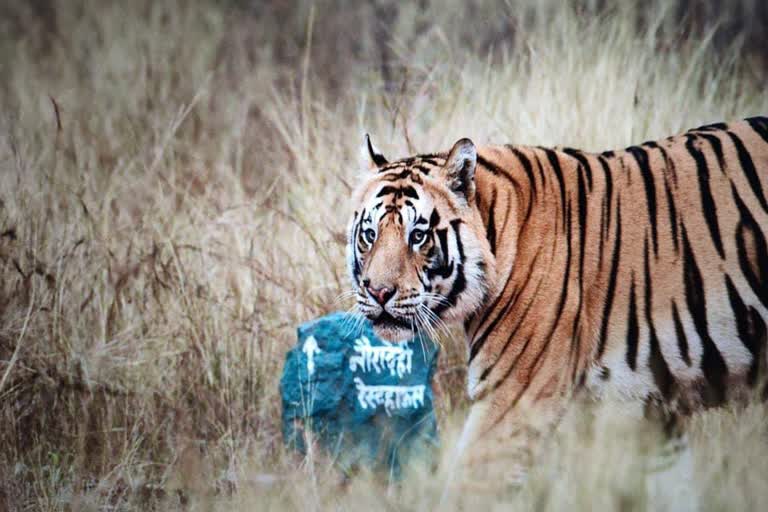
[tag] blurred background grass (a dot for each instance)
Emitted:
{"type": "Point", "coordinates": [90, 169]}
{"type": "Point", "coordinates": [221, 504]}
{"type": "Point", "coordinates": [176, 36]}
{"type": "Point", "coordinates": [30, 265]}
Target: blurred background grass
{"type": "Point", "coordinates": [173, 186]}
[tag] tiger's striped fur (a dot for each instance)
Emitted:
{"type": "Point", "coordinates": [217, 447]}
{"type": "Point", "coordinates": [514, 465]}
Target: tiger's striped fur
{"type": "Point", "coordinates": [640, 273]}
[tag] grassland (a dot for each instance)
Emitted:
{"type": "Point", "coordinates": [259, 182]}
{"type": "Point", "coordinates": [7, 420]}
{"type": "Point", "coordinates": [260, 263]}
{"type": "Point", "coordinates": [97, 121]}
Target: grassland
{"type": "Point", "coordinates": [173, 186]}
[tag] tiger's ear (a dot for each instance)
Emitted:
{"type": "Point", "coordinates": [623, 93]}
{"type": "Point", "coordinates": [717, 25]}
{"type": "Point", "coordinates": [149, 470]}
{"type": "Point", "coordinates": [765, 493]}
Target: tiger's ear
{"type": "Point", "coordinates": [460, 169]}
{"type": "Point", "coordinates": [371, 157]}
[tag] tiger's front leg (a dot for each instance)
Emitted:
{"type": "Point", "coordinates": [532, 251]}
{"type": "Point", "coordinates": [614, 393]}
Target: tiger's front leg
{"type": "Point", "coordinates": [498, 443]}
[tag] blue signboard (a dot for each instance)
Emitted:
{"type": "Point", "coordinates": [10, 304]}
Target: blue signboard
{"type": "Point", "coordinates": [367, 401]}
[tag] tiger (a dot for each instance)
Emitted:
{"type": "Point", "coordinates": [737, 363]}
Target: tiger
{"type": "Point", "coordinates": [639, 273]}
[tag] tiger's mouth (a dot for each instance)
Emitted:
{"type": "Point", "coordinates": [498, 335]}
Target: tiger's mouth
{"type": "Point", "coordinates": [392, 328]}
{"type": "Point", "coordinates": [387, 320]}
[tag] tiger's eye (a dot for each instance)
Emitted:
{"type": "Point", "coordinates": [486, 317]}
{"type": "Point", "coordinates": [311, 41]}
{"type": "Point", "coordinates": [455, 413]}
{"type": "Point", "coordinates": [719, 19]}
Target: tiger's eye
{"type": "Point", "coordinates": [370, 235]}
{"type": "Point", "coordinates": [417, 236]}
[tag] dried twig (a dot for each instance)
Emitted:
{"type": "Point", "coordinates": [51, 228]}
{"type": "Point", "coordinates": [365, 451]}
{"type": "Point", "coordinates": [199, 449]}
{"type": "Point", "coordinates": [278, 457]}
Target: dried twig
{"type": "Point", "coordinates": [58, 114]}
{"type": "Point", "coordinates": [17, 350]}
{"type": "Point", "coordinates": [408, 142]}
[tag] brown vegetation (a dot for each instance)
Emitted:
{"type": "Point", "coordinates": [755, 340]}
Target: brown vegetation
{"type": "Point", "coordinates": [173, 178]}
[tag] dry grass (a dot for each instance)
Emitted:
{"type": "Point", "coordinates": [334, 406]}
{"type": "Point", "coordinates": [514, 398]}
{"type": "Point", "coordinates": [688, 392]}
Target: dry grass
{"type": "Point", "coordinates": [173, 179]}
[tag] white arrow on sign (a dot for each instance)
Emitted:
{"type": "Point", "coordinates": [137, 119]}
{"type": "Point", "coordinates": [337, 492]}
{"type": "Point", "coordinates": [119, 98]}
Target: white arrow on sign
{"type": "Point", "coordinates": [310, 348]}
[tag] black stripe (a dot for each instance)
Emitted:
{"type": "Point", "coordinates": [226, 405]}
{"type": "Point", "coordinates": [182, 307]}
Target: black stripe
{"type": "Point", "coordinates": [468, 321]}
{"type": "Point", "coordinates": [355, 239]}
{"type": "Point", "coordinates": [662, 377]}
{"type": "Point", "coordinates": [671, 208]}
{"type": "Point", "coordinates": [387, 190]}
{"type": "Point", "coordinates": [527, 167]}
{"type": "Point", "coordinates": [490, 232]}
{"type": "Point", "coordinates": [399, 176]}
{"type": "Point", "coordinates": [430, 158]}
{"type": "Point", "coordinates": [749, 169]}
{"type": "Point", "coordinates": [670, 165]}
{"type": "Point", "coordinates": [717, 147]}
{"type": "Point", "coordinates": [398, 191]}
{"type": "Point", "coordinates": [460, 281]}
{"type": "Point", "coordinates": [751, 328]}
{"type": "Point", "coordinates": [511, 365]}
{"type": "Point", "coordinates": [712, 363]}
{"type": "Point", "coordinates": [490, 166]}
{"type": "Point", "coordinates": [566, 278]}
{"type": "Point", "coordinates": [578, 155]}
{"type": "Point", "coordinates": [641, 157]}
{"type": "Point", "coordinates": [611, 293]}
{"type": "Point", "coordinates": [540, 167]}
{"type": "Point", "coordinates": [444, 270]}
{"type": "Point", "coordinates": [582, 205]}
{"type": "Point", "coordinates": [707, 201]}
{"type": "Point", "coordinates": [760, 125]}
{"type": "Point", "coordinates": [555, 163]}
{"type": "Point", "coordinates": [710, 127]}
{"type": "Point", "coordinates": [682, 339]}
{"type": "Point", "coordinates": [434, 218]}
{"type": "Point", "coordinates": [749, 238]}
{"type": "Point", "coordinates": [391, 167]}
{"type": "Point", "coordinates": [632, 328]}
{"type": "Point", "coordinates": [603, 234]}
{"type": "Point", "coordinates": [498, 171]}
{"type": "Point", "coordinates": [410, 192]}
{"type": "Point", "coordinates": [606, 206]}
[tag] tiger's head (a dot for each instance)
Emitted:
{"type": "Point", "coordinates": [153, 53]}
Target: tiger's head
{"type": "Point", "coordinates": [417, 249]}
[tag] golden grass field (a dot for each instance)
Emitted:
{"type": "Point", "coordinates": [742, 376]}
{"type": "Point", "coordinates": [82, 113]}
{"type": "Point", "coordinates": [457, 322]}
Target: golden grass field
{"type": "Point", "coordinates": [174, 179]}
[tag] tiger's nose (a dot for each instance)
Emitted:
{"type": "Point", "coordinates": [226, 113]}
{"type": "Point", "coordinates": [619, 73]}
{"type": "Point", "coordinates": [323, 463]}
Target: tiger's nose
{"type": "Point", "coordinates": [382, 294]}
